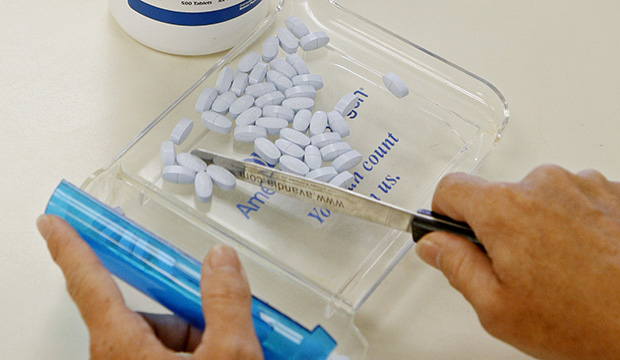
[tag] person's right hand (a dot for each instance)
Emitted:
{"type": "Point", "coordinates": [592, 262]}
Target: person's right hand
{"type": "Point", "coordinates": [550, 281]}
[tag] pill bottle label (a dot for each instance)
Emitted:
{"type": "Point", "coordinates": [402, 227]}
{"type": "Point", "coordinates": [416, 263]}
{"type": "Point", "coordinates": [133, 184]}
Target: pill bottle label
{"type": "Point", "coordinates": [192, 13]}
{"type": "Point", "coordinates": [189, 27]}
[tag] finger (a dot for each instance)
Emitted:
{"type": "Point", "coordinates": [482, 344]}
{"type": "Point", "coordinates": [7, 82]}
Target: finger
{"type": "Point", "coordinates": [465, 266]}
{"type": "Point", "coordinates": [226, 303]}
{"type": "Point", "coordinates": [90, 285]}
{"type": "Point", "coordinates": [456, 195]}
{"type": "Point", "coordinates": [592, 175]}
{"type": "Point", "coordinates": [599, 189]}
{"type": "Point", "coordinates": [592, 182]}
{"type": "Point", "coordinates": [175, 333]}
{"type": "Point", "coordinates": [596, 182]}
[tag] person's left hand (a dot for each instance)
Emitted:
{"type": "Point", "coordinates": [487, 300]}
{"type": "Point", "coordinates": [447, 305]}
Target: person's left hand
{"type": "Point", "coordinates": [116, 332]}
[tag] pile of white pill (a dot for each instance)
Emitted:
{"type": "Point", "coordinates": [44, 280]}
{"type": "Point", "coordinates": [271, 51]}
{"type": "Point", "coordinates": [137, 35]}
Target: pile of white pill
{"type": "Point", "coordinates": [185, 168]}
{"type": "Point", "coordinates": [269, 101]}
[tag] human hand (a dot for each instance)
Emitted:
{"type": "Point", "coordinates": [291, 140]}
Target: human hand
{"type": "Point", "coordinates": [550, 281]}
{"type": "Point", "coordinates": [116, 332]}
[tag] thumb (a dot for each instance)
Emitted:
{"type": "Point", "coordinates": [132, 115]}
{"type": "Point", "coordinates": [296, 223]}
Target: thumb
{"type": "Point", "coordinates": [226, 304]}
{"type": "Point", "coordinates": [466, 267]}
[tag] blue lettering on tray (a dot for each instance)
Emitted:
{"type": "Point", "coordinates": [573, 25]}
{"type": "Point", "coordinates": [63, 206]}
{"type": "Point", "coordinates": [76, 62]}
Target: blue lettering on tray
{"type": "Point", "coordinates": [259, 198]}
{"type": "Point", "coordinates": [254, 158]}
{"type": "Point", "coordinates": [380, 152]}
{"type": "Point", "coordinates": [353, 114]}
{"type": "Point", "coordinates": [320, 214]}
{"type": "Point", "coordinates": [386, 185]}
{"type": "Point", "coordinates": [358, 178]}
{"type": "Point", "coordinates": [254, 203]}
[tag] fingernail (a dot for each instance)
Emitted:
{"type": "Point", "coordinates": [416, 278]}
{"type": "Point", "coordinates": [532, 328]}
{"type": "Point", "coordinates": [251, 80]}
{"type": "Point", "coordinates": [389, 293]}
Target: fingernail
{"type": "Point", "coordinates": [223, 257]}
{"type": "Point", "coordinates": [44, 225]}
{"type": "Point", "coordinates": [429, 253]}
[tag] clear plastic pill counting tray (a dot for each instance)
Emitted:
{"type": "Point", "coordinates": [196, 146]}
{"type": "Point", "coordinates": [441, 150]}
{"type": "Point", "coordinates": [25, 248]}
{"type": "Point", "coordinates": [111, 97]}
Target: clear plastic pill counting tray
{"type": "Point", "coordinates": [314, 265]}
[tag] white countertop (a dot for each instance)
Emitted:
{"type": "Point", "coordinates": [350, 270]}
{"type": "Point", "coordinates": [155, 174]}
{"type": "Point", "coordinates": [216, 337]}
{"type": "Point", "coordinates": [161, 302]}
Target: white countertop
{"type": "Point", "coordinates": [74, 89]}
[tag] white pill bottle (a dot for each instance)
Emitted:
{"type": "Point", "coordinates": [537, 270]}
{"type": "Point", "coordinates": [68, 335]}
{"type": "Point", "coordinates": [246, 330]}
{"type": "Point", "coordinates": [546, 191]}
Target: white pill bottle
{"type": "Point", "coordinates": [185, 27]}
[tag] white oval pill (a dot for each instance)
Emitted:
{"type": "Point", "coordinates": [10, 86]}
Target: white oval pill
{"type": "Point", "coordinates": [300, 30]}
{"type": "Point", "coordinates": [216, 122]}
{"type": "Point", "coordinates": [249, 116]}
{"type": "Point", "coordinates": [203, 186]}
{"type": "Point", "coordinates": [301, 67]}
{"type": "Point", "coordinates": [343, 180]}
{"type": "Point", "coordinates": [347, 160]}
{"type": "Point", "coordinates": [323, 139]}
{"type": "Point", "coordinates": [298, 103]}
{"type": "Point", "coordinates": [282, 66]}
{"type": "Point", "coordinates": [260, 89]}
{"type": "Point", "coordinates": [338, 124]}
{"type": "Point", "coordinates": [224, 80]}
{"type": "Point", "coordinates": [332, 151]}
{"type": "Point", "coordinates": [178, 174]}
{"type": "Point", "coordinates": [291, 21]}
{"type": "Point", "coordinates": [298, 64]}
{"type": "Point", "coordinates": [240, 105]}
{"type": "Point", "coordinates": [267, 150]}
{"type": "Point", "coordinates": [191, 161]}
{"type": "Point", "coordinates": [168, 153]}
{"type": "Point", "coordinates": [314, 41]}
{"type": "Point", "coordinates": [288, 148]}
{"type": "Point", "coordinates": [301, 121]}
{"type": "Point", "coordinates": [346, 104]}
{"type": "Point", "coordinates": [314, 80]}
{"type": "Point", "coordinates": [273, 98]}
{"type": "Point", "coordinates": [281, 81]}
{"type": "Point", "coordinates": [293, 165]}
{"type": "Point", "coordinates": [297, 27]}
{"type": "Point", "coordinates": [295, 137]}
{"type": "Point", "coordinates": [300, 91]}
{"type": "Point", "coordinates": [181, 131]}
{"type": "Point", "coordinates": [239, 84]}
{"type": "Point", "coordinates": [247, 63]}
{"type": "Point", "coordinates": [273, 125]}
{"type": "Point", "coordinates": [221, 177]}
{"type": "Point", "coordinates": [323, 174]}
{"type": "Point", "coordinates": [270, 49]}
{"type": "Point", "coordinates": [279, 111]}
{"type": "Point", "coordinates": [396, 85]}
{"type": "Point", "coordinates": [223, 102]}
{"type": "Point", "coordinates": [318, 123]}
{"type": "Point", "coordinates": [312, 157]}
{"type": "Point", "coordinates": [288, 41]}
{"type": "Point", "coordinates": [206, 99]}
{"type": "Point", "coordinates": [249, 133]}
{"type": "Point", "coordinates": [258, 73]}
